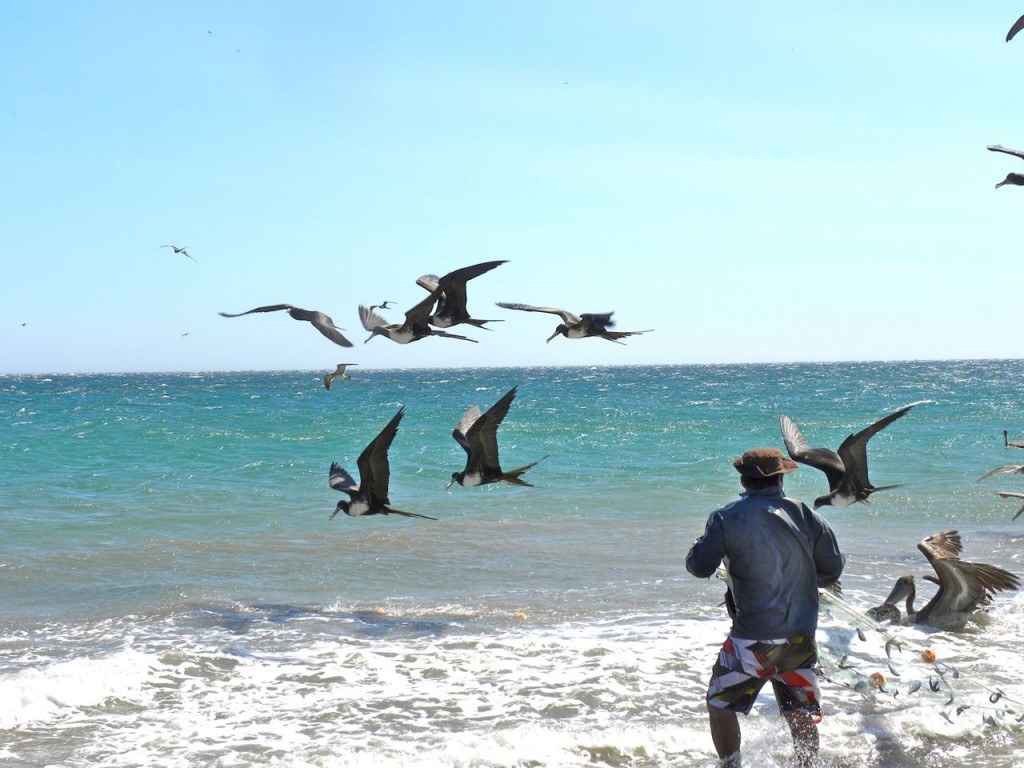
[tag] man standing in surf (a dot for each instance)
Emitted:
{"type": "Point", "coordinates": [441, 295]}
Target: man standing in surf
{"type": "Point", "coordinates": [777, 553]}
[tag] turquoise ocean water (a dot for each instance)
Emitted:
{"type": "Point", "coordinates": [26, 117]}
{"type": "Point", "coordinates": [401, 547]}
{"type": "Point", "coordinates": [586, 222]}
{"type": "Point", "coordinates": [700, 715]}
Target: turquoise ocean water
{"type": "Point", "coordinates": [175, 595]}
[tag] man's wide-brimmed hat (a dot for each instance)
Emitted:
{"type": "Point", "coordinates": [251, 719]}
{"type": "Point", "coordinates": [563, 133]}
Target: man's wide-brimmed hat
{"type": "Point", "coordinates": [764, 462]}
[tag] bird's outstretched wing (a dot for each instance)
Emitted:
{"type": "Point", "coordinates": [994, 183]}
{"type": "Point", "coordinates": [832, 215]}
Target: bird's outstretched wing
{"type": "Point", "coordinates": [825, 459]}
{"type": "Point", "coordinates": [370, 319]}
{"type": "Point", "coordinates": [268, 308]}
{"type": "Point", "coordinates": [341, 480]}
{"type": "Point", "coordinates": [374, 469]}
{"type": "Point", "coordinates": [941, 546]}
{"type": "Point", "coordinates": [418, 316]}
{"type": "Point", "coordinates": [853, 450]}
{"type": "Point", "coordinates": [483, 435]}
{"type": "Point", "coordinates": [462, 427]}
{"type": "Point", "coordinates": [453, 285]}
{"type": "Point", "coordinates": [1018, 25]}
{"type": "Point", "coordinates": [567, 317]}
{"type": "Point", "coordinates": [1012, 495]}
{"type": "Point", "coordinates": [1005, 150]}
{"type": "Point", "coordinates": [1003, 470]}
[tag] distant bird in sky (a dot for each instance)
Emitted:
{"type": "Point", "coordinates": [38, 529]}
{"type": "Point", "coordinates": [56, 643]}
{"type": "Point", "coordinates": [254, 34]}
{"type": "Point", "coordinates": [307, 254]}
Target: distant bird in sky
{"type": "Point", "coordinates": [382, 305]}
{"type": "Point", "coordinates": [370, 495]}
{"type": "Point", "coordinates": [578, 326]}
{"type": "Point", "coordinates": [1013, 179]}
{"type": "Point", "coordinates": [186, 333]}
{"type": "Point", "coordinates": [847, 469]}
{"type": "Point", "coordinates": [320, 321]}
{"type": "Point", "coordinates": [1018, 25]}
{"type": "Point", "coordinates": [1008, 443]}
{"type": "Point", "coordinates": [182, 251]}
{"type": "Point", "coordinates": [415, 327]}
{"type": "Point", "coordinates": [478, 435]}
{"type": "Point", "coordinates": [1012, 495]}
{"type": "Point", "coordinates": [337, 373]}
{"type": "Point", "coordinates": [963, 586]}
{"type": "Point", "coordinates": [451, 303]}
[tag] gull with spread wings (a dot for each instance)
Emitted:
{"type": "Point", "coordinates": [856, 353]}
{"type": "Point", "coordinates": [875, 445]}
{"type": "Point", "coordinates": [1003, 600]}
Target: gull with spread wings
{"type": "Point", "coordinates": [319, 320]}
{"type": "Point", "coordinates": [337, 373]}
{"type": "Point", "coordinates": [370, 495]}
{"type": "Point", "coordinates": [847, 468]}
{"type": "Point", "coordinates": [478, 435]}
{"type": "Point", "coordinates": [578, 326]}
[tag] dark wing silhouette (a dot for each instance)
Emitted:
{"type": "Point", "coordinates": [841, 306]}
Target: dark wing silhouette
{"type": "Point", "coordinates": [374, 469]}
{"type": "Point", "coordinates": [965, 586]}
{"type": "Point", "coordinates": [268, 308]}
{"type": "Point", "coordinates": [825, 459]}
{"type": "Point", "coordinates": [600, 321]}
{"type": "Point", "coordinates": [482, 436]}
{"type": "Point", "coordinates": [1018, 25]}
{"type": "Point", "coordinates": [567, 317]}
{"type": "Point", "coordinates": [417, 317]}
{"type": "Point", "coordinates": [1005, 150]}
{"type": "Point", "coordinates": [453, 286]}
{"type": "Point", "coordinates": [853, 450]}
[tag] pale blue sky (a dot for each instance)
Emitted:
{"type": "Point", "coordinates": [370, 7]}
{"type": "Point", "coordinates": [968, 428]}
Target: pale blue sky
{"type": "Point", "coordinates": [754, 181]}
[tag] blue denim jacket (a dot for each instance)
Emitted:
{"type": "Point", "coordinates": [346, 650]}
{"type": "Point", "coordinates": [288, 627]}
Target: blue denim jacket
{"type": "Point", "coordinates": [777, 552]}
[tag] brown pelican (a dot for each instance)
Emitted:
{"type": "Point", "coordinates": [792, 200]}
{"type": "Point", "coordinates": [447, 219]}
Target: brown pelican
{"type": "Point", "coordinates": [578, 326]}
{"type": "Point", "coordinates": [451, 304]}
{"type": "Point", "coordinates": [1012, 495]}
{"type": "Point", "coordinates": [847, 469]}
{"type": "Point", "coordinates": [963, 587]}
{"type": "Point", "coordinates": [478, 435]}
{"type": "Point", "coordinates": [337, 373]}
{"type": "Point", "coordinates": [1013, 179]}
{"type": "Point", "coordinates": [414, 328]}
{"type": "Point", "coordinates": [1018, 25]}
{"type": "Point", "coordinates": [320, 321]}
{"type": "Point", "coordinates": [370, 495]}
{"type": "Point", "coordinates": [182, 251]}
{"type": "Point", "coordinates": [1008, 443]}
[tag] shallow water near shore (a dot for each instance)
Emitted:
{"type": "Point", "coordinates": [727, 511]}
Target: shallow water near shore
{"type": "Point", "coordinates": [174, 593]}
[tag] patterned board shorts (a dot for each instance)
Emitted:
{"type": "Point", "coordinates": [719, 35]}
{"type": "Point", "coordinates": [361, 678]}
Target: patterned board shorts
{"type": "Point", "coordinates": [744, 666]}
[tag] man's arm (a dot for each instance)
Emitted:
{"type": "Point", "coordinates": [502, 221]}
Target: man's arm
{"type": "Point", "coordinates": [707, 552]}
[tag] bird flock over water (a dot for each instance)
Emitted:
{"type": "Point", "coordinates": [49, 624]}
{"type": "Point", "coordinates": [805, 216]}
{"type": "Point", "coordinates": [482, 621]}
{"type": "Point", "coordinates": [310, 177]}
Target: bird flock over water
{"type": "Point", "coordinates": [444, 307]}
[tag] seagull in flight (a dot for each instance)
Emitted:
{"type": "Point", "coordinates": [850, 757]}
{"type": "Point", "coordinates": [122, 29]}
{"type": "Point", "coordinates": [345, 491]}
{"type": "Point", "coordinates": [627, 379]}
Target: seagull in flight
{"type": "Point", "coordinates": [451, 304]}
{"type": "Point", "coordinates": [337, 373]}
{"type": "Point", "coordinates": [319, 320]}
{"type": "Point", "coordinates": [182, 251]}
{"type": "Point", "coordinates": [847, 469]}
{"type": "Point", "coordinates": [478, 435]}
{"type": "Point", "coordinates": [382, 305]}
{"type": "Point", "coordinates": [415, 327]}
{"type": "Point", "coordinates": [370, 495]}
{"type": "Point", "coordinates": [578, 326]}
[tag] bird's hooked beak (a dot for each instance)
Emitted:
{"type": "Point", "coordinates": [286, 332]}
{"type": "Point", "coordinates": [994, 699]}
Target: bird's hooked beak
{"type": "Point", "coordinates": [558, 330]}
{"type": "Point", "coordinates": [370, 337]}
{"type": "Point", "coordinates": [341, 506]}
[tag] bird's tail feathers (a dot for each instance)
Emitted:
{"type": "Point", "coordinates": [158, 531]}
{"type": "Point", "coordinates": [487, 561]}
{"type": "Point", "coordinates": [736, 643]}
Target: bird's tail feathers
{"type": "Point", "coordinates": [390, 511]}
{"type": "Point", "coordinates": [512, 475]}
